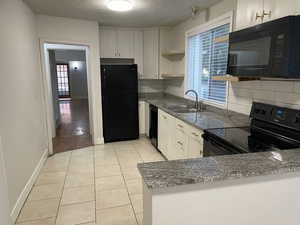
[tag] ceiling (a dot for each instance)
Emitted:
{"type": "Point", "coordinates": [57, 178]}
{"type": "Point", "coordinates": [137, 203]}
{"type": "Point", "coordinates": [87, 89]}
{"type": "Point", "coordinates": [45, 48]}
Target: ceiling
{"type": "Point", "coordinates": [145, 12]}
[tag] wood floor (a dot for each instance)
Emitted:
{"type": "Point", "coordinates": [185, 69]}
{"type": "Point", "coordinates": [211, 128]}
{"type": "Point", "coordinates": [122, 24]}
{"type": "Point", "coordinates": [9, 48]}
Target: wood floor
{"type": "Point", "coordinates": [74, 130]}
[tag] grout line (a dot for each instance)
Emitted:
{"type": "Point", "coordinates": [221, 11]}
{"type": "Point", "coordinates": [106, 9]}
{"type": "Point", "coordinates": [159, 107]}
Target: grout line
{"type": "Point", "coordinates": [60, 201]}
{"type": "Point", "coordinates": [131, 204]}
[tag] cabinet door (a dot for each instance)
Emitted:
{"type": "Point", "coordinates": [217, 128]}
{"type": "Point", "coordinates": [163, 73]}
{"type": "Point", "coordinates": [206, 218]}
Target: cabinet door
{"type": "Point", "coordinates": [195, 143]}
{"type": "Point", "coordinates": [163, 135]}
{"type": "Point", "coordinates": [108, 43]}
{"type": "Point", "coordinates": [147, 119]}
{"type": "Point", "coordinates": [125, 41]}
{"type": "Point", "coordinates": [142, 117]}
{"type": "Point", "coordinates": [278, 8]}
{"type": "Point", "coordinates": [139, 52]}
{"type": "Point", "coordinates": [246, 13]}
{"type": "Point", "coordinates": [151, 47]}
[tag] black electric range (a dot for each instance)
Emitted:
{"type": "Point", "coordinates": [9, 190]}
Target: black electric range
{"type": "Point", "coordinates": [272, 128]}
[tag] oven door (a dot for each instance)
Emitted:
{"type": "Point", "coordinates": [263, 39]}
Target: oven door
{"type": "Point", "coordinates": [214, 147]}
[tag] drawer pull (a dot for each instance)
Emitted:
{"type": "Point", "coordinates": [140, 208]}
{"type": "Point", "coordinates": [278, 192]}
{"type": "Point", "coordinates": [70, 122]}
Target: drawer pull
{"type": "Point", "coordinates": [195, 134]}
{"type": "Point", "coordinates": [179, 125]}
{"type": "Point", "coordinates": [180, 143]}
{"type": "Point", "coordinates": [165, 117]}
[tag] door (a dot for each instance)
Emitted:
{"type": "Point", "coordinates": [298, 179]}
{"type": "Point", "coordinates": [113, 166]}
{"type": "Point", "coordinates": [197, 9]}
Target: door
{"type": "Point", "coordinates": [151, 45]}
{"type": "Point", "coordinates": [246, 13]}
{"type": "Point", "coordinates": [4, 205]}
{"type": "Point", "coordinates": [125, 44]}
{"type": "Point", "coordinates": [139, 52]}
{"type": "Point", "coordinates": [120, 102]}
{"type": "Point", "coordinates": [108, 43]}
{"type": "Point", "coordinates": [163, 132]}
{"type": "Point", "coordinates": [278, 8]}
{"type": "Point", "coordinates": [63, 81]}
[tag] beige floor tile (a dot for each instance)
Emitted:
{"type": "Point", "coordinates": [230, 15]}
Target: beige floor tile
{"type": "Point", "coordinates": [116, 216]}
{"type": "Point", "coordinates": [93, 223]}
{"type": "Point", "coordinates": [45, 192]}
{"type": "Point", "coordinates": [79, 179]}
{"type": "Point", "coordinates": [50, 221]}
{"type": "Point", "coordinates": [139, 218]}
{"type": "Point", "coordinates": [51, 178]}
{"type": "Point", "coordinates": [83, 151]}
{"type": "Point", "coordinates": [56, 165]}
{"type": "Point", "coordinates": [81, 168]}
{"type": "Point", "coordinates": [107, 171]}
{"type": "Point", "coordinates": [36, 210]}
{"type": "Point", "coordinates": [105, 147]}
{"type": "Point", "coordinates": [137, 203]}
{"type": "Point", "coordinates": [76, 214]}
{"type": "Point", "coordinates": [109, 183]}
{"type": "Point", "coordinates": [78, 194]}
{"type": "Point", "coordinates": [129, 163]}
{"type": "Point", "coordinates": [105, 158]}
{"type": "Point", "coordinates": [131, 173]}
{"type": "Point", "coordinates": [112, 198]}
{"type": "Point", "coordinates": [134, 186]}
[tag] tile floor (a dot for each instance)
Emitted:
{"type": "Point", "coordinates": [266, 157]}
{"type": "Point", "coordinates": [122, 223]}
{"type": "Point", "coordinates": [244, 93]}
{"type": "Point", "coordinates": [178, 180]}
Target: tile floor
{"type": "Point", "coordinates": [91, 186]}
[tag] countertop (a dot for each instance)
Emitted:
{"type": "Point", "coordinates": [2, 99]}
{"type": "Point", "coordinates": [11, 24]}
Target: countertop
{"type": "Point", "coordinates": [210, 118]}
{"type": "Point", "coordinates": [159, 175]}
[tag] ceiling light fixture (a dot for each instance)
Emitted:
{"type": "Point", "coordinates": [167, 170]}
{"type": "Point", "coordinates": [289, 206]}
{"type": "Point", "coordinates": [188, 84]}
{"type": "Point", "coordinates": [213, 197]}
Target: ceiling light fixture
{"type": "Point", "coordinates": [119, 5]}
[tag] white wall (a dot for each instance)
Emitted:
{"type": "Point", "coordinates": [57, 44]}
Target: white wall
{"type": "Point", "coordinates": [22, 115]}
{"type": "Point", "coordinates": [74, 31]}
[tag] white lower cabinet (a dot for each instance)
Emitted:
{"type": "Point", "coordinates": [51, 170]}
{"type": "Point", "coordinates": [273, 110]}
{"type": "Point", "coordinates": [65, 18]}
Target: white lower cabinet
{"type": "Point", "coordinates": [142, 118]}
{"type": "Point", "coordinates": [177, 139]}
{"type": "Point", "coordinates": [147, 119]}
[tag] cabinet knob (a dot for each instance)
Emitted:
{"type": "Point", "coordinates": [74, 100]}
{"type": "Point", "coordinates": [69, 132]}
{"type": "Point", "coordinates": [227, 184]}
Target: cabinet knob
{"type": "Point", "coordinates": [257, 16]}
{"type": "Point", "coordinates": [195, 134]}
{"type": "Point", "coordinates": [179, 125]}
{"type": "Point", "coordinates": [180, 143]}
{"type": "Point", "coordinates": [267, 14]}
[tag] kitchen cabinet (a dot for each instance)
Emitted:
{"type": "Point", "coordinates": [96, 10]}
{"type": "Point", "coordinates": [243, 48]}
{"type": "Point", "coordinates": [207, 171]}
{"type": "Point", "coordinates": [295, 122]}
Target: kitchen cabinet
{"type": "Point", "coordinates": [138, 53]}
{"type": "Point", "coordinates": [151, 54]}
{"type": "Point", "coordinates": [147, 119]}
{"type": "Point", "coordinates": [108, 43]}
{"type": "Point", "coordinates": [177, 139]}
{"type": "Point", "coordinates": [115, 43]}
{"type": "Point", "coordinates": [142, 118]}
{"type": "Point", "coordinates": [250, 13]}
{"type": "Point", "coordinates": [164, 135]}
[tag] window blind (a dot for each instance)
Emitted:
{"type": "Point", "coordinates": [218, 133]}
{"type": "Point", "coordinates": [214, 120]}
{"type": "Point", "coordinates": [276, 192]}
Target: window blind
{"type": "Point", "coordinates": [207, 57]}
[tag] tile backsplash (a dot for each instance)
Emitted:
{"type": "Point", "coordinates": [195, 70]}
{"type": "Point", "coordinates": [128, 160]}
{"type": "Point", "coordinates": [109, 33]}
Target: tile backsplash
{"type": "Point", "coordinates": [281, 93]}
{"type": "Point", "coordinates": [150, 86]}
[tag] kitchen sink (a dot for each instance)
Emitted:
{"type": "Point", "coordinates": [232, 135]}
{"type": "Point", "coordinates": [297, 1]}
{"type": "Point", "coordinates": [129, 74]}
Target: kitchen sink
{"type": "Point", "coordinates": [182, 109]}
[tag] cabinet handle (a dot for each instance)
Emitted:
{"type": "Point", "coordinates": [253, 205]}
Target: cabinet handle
{"type": "Point", "coordinates": [195, 134]}
{"type": "Point", "coordinates": [165, 117]}
{"type": "Point", "coordinates": [179, 125]}
{"type": "Point", "coordinates": [180, 143]}
{"type": "Point", "coordinates": [267, 14]}
{"type": "Point", "coordinates": [257, 16]}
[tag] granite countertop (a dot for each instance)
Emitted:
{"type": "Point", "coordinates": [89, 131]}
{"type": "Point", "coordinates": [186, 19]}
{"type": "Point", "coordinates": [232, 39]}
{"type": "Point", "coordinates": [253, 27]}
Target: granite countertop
{"type": "Point", "coordinates": [210, 118]}
{"type": "Point", "coordinates": [159, 175]}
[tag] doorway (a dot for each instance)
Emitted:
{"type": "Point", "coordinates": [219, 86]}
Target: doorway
{"type": "Point", "coordinates": [70, 102]}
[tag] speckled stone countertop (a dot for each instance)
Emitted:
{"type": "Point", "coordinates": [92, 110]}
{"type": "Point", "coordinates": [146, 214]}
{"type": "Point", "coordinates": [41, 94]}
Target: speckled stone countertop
{"type": "Point", "coordinates": [160, 175]}
{"type": "Point", "coordinates": [210, 118]}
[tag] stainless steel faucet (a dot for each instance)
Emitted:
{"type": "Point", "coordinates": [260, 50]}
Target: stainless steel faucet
{"type": "Point", "coordinates": [197, 99]}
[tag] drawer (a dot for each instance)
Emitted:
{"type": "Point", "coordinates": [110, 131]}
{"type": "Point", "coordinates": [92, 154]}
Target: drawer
{"type": "Point", "coordinates": [181, 125]}
{"type": "Point", "coordinates": [195, 133]}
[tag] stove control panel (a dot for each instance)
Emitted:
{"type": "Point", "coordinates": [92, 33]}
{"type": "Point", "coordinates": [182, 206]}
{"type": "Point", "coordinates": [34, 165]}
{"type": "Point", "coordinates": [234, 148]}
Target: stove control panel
{"type": "Point", "coordinates": [275, 114]}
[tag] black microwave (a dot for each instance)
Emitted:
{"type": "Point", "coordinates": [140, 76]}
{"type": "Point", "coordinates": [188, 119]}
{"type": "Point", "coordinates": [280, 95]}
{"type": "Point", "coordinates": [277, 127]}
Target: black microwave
{"type": "Point", "coordinates": [270, 49]}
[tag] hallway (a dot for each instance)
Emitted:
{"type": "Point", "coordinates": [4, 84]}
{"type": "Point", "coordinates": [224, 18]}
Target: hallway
{"type": "Point", "coordinates": [74, 130]}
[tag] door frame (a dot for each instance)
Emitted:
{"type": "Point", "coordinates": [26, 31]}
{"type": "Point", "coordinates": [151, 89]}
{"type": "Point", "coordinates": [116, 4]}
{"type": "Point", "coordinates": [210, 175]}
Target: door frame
{"type": "Point", "coordinates": [94, 114]}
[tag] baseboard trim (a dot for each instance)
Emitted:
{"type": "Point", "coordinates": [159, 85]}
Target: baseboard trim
{"type": "Point", "coordinates": [25, 192]}
{"type": "Point", "coordinates": [99, 141]}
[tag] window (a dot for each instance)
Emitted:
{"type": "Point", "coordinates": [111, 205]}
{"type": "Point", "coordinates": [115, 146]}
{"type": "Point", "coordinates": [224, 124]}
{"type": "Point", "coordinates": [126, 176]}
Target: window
{"type": "Point", "coordinates": [63, 80]}
{"type": "Point", "coordinates": [207, 53]}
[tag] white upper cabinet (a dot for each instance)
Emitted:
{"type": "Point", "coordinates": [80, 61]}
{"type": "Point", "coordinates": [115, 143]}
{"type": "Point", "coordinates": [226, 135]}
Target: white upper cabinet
{"type": "Point", "coordinates": [108, 43]}
{"type": "Point", "coordinates": [138, 51]}
{"type": "Point", "coordinates": [115, 43]}
{"type": "Point", "coordinates": [275, 9]}
{"type": "Point", "coordinates": [125, 44]}
{"type": "Point", "coordinates": [246, 13]}
{"type": "Point", "coordinates": [254, 12]}
{"type": "Point", "coordinates": [151, 54]}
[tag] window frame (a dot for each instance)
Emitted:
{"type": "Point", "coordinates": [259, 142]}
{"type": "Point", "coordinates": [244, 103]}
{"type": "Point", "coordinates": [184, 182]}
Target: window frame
{"type": "Point", "coordinates": [219, 21]}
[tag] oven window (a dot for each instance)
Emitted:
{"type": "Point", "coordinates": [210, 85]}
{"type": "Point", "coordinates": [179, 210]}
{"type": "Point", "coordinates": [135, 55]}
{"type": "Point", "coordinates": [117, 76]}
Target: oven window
{"type": "Point", "coordinates": [252, 55]}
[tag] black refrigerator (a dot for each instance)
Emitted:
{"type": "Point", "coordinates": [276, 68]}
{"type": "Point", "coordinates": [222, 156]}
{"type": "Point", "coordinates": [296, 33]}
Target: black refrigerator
{"type": "Point", "coordinates": [119, 84]}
